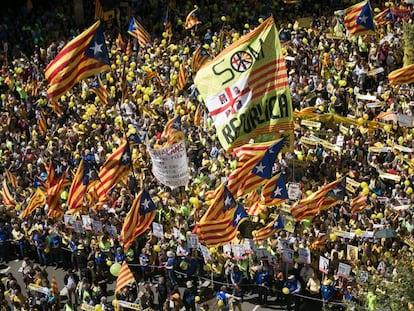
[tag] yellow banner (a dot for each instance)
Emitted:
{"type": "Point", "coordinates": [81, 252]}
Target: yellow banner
{"type": "Point", "coordinates": [309, 141]}
{"type": "Point", "coordinates": [313, 124]}
{"type": "Point", "coordinates": [389, 176]}
{"type": "Point", "coordinates": [86, 307]}
{"type": "Point", "coordinates": [246, 89]}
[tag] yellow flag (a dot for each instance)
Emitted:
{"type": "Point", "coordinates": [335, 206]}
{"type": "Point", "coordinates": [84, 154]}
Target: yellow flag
{"type": "Point", "coordinates": [246, 88]}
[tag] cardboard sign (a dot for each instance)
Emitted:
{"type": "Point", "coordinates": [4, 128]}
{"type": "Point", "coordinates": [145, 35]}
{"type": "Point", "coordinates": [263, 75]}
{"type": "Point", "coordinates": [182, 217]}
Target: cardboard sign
{"type": "Point", "coordinates": [192, 240]}
{"type": "Point", "coordinates": [287, 255]}
{"type": "Point", "coordinates": [323, 265]}
{"type": "Point", "coordinates": [344, 270]}
{"type": "Point", "coordinates": [294, 191]}
{"type": "Point", "coordinates": [304, 255]}
{"type": "Point", "coordinates": [97, 227]}
{"type": "Point", "coordinates": [157, 230]}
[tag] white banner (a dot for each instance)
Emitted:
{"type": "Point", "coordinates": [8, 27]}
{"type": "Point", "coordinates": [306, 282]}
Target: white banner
{"type": "Point", "coordinates": [169, 165]}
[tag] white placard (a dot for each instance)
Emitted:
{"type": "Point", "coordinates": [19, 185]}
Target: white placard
{"type": "Point", "coordinates": [205, 252]}
{"type": "Point", "coordinates": [323, 264]}
{"type": "Point", "coordinates": [340, 141]}
{"type": "Point", "coordinates": [287, 255]}
{"type": "Point", "coordinates": [169, 165]}
{"type": "Point", "coordinates": [294, 192]}
{"type": "Point", "coordinates": [68, 219]}
{"type": "Point", "coordinates": [363, 276]}
{"type": "Point", "coordinates": [77, 226]}
{"type": "Point", "coordinates": [249, 246]}
{"type": "Point", "coordinates": [344, 270]}
{"type": "Point", "coordinates": [273, 261]}
{"type": "Point", "coordinates": [227, 250]}
{"type": "Point", "coordinates": [192, 240]}
{"type": "Point", "coordinates": [87, 222]}
{"type": "Point", "coordinates": [262, 252]}
{"type": "Point", "coordinates": [238, 251]}
{"type": "Point", "coordinates": [157, 230]}
{"type": "Point", "coordinates": [112, 231]}
{"type": "Point", "coordinates": [283, 244]}
{"type": "Point", "coordinates": [304, 255]}
{"type": "Point", "coordinates": [97, 227]}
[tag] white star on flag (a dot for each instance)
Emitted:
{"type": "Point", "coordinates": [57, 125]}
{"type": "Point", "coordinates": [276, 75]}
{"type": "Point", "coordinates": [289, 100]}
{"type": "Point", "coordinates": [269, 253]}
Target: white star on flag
{"type": "Point", "coordinates": [336, 191]}
{"type": "Point", "coordinates": [97, 48]}
{"type": "Point", "coordinates": [277, 192]}
{"type": "Point", "coordinates": [238, 217]}
{"type": "Point", "coordinates": [146, 204]}
{"type": "Point", "coordinates": [58, 170]}
{"type": "Point", "coordinates": [363, 19]}
{"type": "Point", "coordinates": [125, 157]}
{"type": "Point", "coordinates": [227, 201]}
{"type": "Point", "coordinates": [90, 174]}
{"type": "Point", "coordinates": [260, 168]}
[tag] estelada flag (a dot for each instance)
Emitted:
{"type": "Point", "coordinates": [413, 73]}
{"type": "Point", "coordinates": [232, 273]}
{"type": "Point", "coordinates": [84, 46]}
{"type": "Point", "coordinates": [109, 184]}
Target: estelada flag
{"type": "Point", "coordinates": [246, 88]}
{"type": "Point", "coordinates": [84, 56]}
{"type": "Point", "coordinates": [358, 19]}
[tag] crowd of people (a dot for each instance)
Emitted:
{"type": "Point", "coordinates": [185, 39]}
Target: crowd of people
{"type": "Point", "coordinates": [332, 73]}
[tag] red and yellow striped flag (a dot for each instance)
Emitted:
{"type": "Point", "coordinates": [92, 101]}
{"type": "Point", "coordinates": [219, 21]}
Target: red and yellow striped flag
{"type": "Point", "coordinates": [319, 242]}
{"type": "Point", "coordinates": [199, 58]}
{"type": "Point", "coordinates": [138, 219]}
{"type": "Point", "coordinates": [37, 200]}
{"type": "Point", "coordinates": [99, 11]}
{"type": "Point", "coordinates": [197, 115]}
{"type": "Point", "coordinates": [358, 19]}
{"type": "Point", "coordinates": [7, 197]}
{"type": "Point", "coordinates": [128, 51]}
{"type": "Point", "coordinates": [42, 123]}
{"type": "Point", "coordinates": [56, 108]}
{"type": "Point", "coordinates": [84, 56]}
{"type": "Point", "coordinates": [125, 277]}
{"type": "Point", "coordinates": [11, 178]}
{"type": "Point", "coordinates": [120, 44]}
{"type": "Point", "coordinates": [191, 20]}
{"type": "Point", "coordinates": [269, 230]}
{"type": "Point", "coordinates": [309, 207]}
{"type": "Point", "coordinates": [404, 75]}
{"type": "Point", "coordinates": [136, 30]}
{"type": "Point", "coordinates": [114, 169]}
{"type": "Point", "coordinates": [359, 204]}
{"type": "Point", "coordinates": [182, 77]}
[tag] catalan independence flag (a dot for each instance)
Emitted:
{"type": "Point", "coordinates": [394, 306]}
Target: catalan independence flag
{"type": "Point", "coordinates": [224, 229]}
{"type": "Point", "coordinates": [173, 131]}
{"type": "Point", "coordinates": [84, 56]}
{"type": "Point", "coordinates": [404, 75]}
{"type": "Point", "coordinates": [309, 207]}
{"type": "Point", "coordinates": [99, 89]}
{"type": "Point", "coordinates": [85, 175]}
{"type": "Point", "coordinates": [11, 178]}
{"type": "Point", "coordinates": [199, 58]}
{"type": "Point", "coordinates": [136, 30]}
{"type": "Point", "coordinates": [247, 79]}
{"type": "Point", "coordinates": [138, 219]}
{"type": "Point", "coordinates": [182, 77]}
{"type": "Point", "coordinates": [358, 19]}
{"type": "Point", "coordinates": [191, 20]}
{"type": "Point", "coordinates": [37, 199]}
{"type": "Point", "coordinates": [99, 12]}
{"type": "Point", "coordinates": [124, 278]}
{"type": "Point", "coordinates": [269, 230]}
{"type": "Point", "coordinates": [116, 167]}
{"type": "Point", "coordinates": [7, 197]}
{"type": "Point", "coordinates": [41, 123]}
